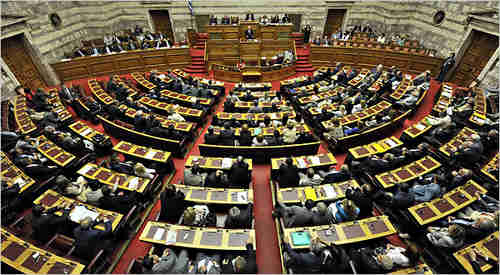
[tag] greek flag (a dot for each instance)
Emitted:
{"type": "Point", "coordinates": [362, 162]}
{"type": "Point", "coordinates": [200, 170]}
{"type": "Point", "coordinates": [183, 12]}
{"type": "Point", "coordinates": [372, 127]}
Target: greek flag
{"type": "Point", "coordinates": [190, 6]}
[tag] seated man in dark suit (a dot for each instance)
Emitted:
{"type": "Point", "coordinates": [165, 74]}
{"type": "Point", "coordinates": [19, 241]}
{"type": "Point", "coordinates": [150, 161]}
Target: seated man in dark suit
{"type": "Point", "coordinates": [469, 153]}
{"type": "Point", "coordinates": [117, 202]}
{"type": "Point", "coordinates": [226, 136]}
{"type": "Point", "coordinates": [288, 174]}
{"type": "Point", "coordinates": [241, 264]}
{"type": "Point", "coordinates": [238, 174]}
{"type": "Point", "coordinates": [89, 240]}
{"type": "Point", "coordinates": [239, 218]}
{"type": "Point", "coordinates": [249, 34]}
{"type": "Point", "coordinates": [216, 179]}
{"type": "Point", "coordinates": [45, 223]}
{"type": "Point", "coordinates": [304, 262]}
{"type": "Point", "coordinates": [172, 204]}
{"type": "Point", "coordinates": [210, 137]}
{"type": "Point", "coordinates": [335, 176]}
{"type": "Point", "coordinates": [40, 101]}
{"type": "Point", "coordinates": [140, 122]}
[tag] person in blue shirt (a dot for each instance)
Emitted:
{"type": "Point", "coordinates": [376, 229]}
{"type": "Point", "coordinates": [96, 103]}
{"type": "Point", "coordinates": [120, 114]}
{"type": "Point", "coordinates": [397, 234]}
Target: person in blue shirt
{"type": "Point", "coordinates": [346, 211]}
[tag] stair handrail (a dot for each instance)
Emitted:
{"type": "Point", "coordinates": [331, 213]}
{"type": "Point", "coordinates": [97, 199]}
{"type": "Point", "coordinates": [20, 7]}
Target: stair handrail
{"type": "Point", "coordinates": [295, 50]}
{"type": "Point", "coordinates": [205, 54]}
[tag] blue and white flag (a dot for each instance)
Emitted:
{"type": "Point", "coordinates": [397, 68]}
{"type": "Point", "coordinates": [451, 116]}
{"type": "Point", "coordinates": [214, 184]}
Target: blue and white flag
{"type": "Point", "coordinates": [190, 6]}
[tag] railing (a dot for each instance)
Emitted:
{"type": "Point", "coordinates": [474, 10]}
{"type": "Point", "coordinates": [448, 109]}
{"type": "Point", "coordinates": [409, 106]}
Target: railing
{"type": "Point", "coordinates": [294, 49]}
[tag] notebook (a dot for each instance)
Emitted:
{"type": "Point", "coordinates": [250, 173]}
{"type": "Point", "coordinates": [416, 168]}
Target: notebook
{"type": "Point", "coordinates": [301, 238]}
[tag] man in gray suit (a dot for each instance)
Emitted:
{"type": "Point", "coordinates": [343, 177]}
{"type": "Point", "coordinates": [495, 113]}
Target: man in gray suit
{"type": "Point", "coordinates": [170, 262]}
{"type": "Point", "coordinates": [294, 216]}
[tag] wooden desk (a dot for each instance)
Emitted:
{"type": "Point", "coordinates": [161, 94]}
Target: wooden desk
{"type": "Point", "coordinates": [187, 99]}
{"type": "Point", "coordinates": [449, 203]}
{"type": "Point", "coordinates": [360, 77]}
{"type": "Point", "coordinates": [455, 142]}
{"type": "Point", "coordinates": [197, 237]}
{"type": "Point", "coordinates": [12, 173]}
{"type": "Point", "coordinates": [254, 116]}
{"type": "Point", "coordinates": [447, 91]}
{"type": "Point", "coordinates": [99, 93]}
{"type": "Point", "coordinates": [18, 254]}
{"type": "Point", "coordinates": [121, 132]}
{"type": "Point", "coordinates": [267, 131]}
{"type": "Point", "coordinates": [418, 129]}
{"type": "Point", "coordinates": [208, 195]}
{"type": "Point", "coordinates": [53, 152]}
{"type": "Point", "coordinates": [491, 165]}
{"type": "Point", "coordinates": [310, 88]}
{"type": "Point", "coordinates": [189, 113]}
{"type": "Point", "coordinates": [488, 246]}
{"type": "Point", "coordinates": [366, 113]}
{"type": "Point", "coordinates": [261, 153]}
{"type": "Point", "coordinates": [165, 122]}
{"type": "Point", "coordinates": [250, 104]}
{"type": "Point", "coordinates": [57, 106]}
{"type": "Point", "coordinates": [408, 172]}
{"type": "Point", "coordinates": [118, 80]}
{"type": "Point", "coordinates": [478, 117]}
{"type": "Point", "coordinates": [142, 82]}
{"type": "Point", "coordinates": [375, 147]}
{"type": "Point", "coordinates": [83, 130]}
{"type": "Point", "coordinates": [271, 74]}
{"type": "Point", "coordinates": [256, 94]}
{"type": "Point", "coordinates": [412, 63]}
{"type": "Point", "coordinates": [415, 270]}
{"type": "Point", "coordinates": [142, 152]}
{"type": "Point", "coordinates": [377, 84]}
{"type": "Point", "coordinates": [51, 199]}
{"type": "Point", "coordinates": [317, 97]}
{"type": "Point", "coordinates": [21, 116]}
{"type": "Point", "coordinates": [122, 63]}
{"type": "Point", "coordinates": [110, 177]}
{"type": "Point", "coordinates": [348, 232]}
{"type": "Point", "coordinates": [213, 163]}
{"type": "Point", "coordinates": [402, 89]}
{"type": "Point", "coordinates": [305, 162]}
{"type": "Point", "coordinates": [185, 75]}
{"type": "Point", "coordinates": [323, 192]}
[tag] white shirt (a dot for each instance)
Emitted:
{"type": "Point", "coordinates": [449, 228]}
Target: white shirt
{"type": "Point", "coordinates": [381, 40]}
{"type": "Point", "coordinates": [397, 256]}
{"type": "Point", "coordinates": [357, 108]}
{"type": "Point", "coordinates": [176, 117]}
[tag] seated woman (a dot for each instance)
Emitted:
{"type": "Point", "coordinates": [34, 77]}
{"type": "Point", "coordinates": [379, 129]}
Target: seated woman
{"type": "Point", "coordinates": [141, 171]}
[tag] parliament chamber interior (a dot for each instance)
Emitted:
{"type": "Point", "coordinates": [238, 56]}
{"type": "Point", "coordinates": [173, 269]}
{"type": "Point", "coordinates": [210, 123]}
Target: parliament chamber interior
{"type": "Point", "coordinates": [249, 137]}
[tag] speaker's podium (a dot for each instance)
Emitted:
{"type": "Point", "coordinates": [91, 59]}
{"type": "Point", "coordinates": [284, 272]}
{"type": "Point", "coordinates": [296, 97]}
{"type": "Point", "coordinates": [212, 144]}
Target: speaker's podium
{"type": "Point", "coordinates": [251, 74]}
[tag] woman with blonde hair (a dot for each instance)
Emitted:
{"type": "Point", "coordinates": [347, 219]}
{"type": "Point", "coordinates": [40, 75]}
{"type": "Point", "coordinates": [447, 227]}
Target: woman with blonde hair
{"type": "Point", "coordinates": [346, 211]}
{"type": "Point", "coordinates": [141, 171]}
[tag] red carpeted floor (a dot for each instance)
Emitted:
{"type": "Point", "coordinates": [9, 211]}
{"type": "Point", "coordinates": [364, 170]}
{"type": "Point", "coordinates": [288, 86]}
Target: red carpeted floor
{"type": "Point", "coordinates": [268, 257]}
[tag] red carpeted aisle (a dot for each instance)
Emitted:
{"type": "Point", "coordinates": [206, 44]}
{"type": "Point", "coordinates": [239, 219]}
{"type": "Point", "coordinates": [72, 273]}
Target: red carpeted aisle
{"type": "Point", "coordinates": [268, 257]}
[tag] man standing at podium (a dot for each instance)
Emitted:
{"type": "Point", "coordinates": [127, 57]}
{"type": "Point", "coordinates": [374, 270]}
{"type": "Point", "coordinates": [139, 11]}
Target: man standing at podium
{"type": "Point", "coordinates": [249, 34]}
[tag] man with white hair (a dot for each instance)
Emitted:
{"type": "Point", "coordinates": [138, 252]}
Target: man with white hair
{"type": "Point", "coordinates": [469, 153]}
{"type": "Point", "coordinates": [239, 218]}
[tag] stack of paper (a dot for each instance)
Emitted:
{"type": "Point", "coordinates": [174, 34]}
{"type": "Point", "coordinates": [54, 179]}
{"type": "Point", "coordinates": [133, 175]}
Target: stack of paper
{"type": "Point", "coordinates": [420, 126]}
{"type": "Point", "coordinates": [329, 191]}
{"type": "Point", "coordinates": [150, 154]}
{"type": "Point", "coordinates": [171, 237]}
{"type": "Point", "coordinates": [390, 142]}
{"type": "Point", "coordinates": [81, 212]}
{"type": "Point", "coordinates": [301, 163]}
{"type": "Point", "coordinates": [133, 183]}
{"type": "Point", "coordinates": [315, 160]}
{"type": "Point", "coordinates": [86, 168]}
{"type": "Point", "coordinates": [242, 196]}
{"type": "Point", "coordinates": [159, 234]}
{"type": "Point", "coordinates": [227, 163]}
{"type": "Point", "coordinates": [85, 132]}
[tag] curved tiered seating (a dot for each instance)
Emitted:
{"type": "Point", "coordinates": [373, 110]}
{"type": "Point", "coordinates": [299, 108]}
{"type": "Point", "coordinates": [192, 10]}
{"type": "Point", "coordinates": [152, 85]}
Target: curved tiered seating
{"type": "Point", "coordinates": [21, 116]}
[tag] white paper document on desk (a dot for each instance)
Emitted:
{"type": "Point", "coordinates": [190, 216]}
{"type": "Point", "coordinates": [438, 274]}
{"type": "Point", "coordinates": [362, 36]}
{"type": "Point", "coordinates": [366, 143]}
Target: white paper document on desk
{"type": "Point", "coordinates": [81, 212]}
{"type": "Point", "coordinates": [227, 163]}
{"type": "Point", "coordinates": [171, 237]}
{"type": "Point", "coordinates": [159, 234]}
{"type": "Point", "coordinates": [329, 191]}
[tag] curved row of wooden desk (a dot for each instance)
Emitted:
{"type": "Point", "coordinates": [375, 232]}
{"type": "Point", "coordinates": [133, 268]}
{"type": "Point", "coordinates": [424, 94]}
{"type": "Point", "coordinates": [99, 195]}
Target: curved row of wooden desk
{"type": "Point", "coordinates": [122, 63]}
{"type": "Point", "coordinates": [265, 75]}
{"type": "Point", "coordinates": [369, 57]}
